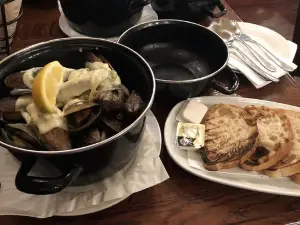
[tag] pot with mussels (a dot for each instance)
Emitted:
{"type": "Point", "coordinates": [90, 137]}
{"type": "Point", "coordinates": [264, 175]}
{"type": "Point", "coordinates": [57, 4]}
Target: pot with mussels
{"type": "Point", "coordinates": [77, 103]}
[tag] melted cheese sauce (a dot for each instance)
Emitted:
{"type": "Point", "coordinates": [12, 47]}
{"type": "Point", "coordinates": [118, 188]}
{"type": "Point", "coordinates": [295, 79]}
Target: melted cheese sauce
{"type": "Point", "coordinates": [81, 84]}
{"type": "Point", "coordinates": [83, 80]}
{"type": "Point", "coordinates": [29, 75]}
{"type": "Point", "coordinates": [22, 102]}
{"type": "Point", "coordinates": [46, 121]}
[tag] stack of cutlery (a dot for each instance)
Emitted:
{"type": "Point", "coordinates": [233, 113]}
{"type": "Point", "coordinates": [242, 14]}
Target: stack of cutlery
{"type": "Point", "coordinates": [255, 56]}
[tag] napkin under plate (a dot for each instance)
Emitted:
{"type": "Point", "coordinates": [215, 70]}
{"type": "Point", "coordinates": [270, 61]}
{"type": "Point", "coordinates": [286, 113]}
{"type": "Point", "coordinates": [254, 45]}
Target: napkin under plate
{"type": "Point", "coordinates": [266, 38]}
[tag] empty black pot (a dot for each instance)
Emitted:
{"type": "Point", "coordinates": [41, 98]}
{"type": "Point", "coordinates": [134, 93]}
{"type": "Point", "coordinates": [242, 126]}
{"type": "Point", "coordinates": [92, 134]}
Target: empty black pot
{"type": "Point", "coordinates": [102, 18]}
{"type": "Point", "coordinates": [185, 57]}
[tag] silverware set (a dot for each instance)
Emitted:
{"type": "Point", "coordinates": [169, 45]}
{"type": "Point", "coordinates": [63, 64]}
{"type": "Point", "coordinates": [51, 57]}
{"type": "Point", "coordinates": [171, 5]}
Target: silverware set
{"type": "Point", "coordinates": [231, 32]}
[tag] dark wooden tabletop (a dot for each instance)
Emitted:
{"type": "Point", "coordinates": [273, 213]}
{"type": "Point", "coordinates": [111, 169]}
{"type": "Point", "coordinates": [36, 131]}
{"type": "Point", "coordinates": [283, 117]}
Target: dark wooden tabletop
{"type": "Point", "coordinates": [184, 198]}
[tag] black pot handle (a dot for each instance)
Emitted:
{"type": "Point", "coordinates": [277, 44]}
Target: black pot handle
{"type": "Point", "coordinates": [222, 12]}
{"type": "Point", "coordinates": [42, 185]}
{"type": "Point", "coordinates": [136, 5]}
{"type": "Point", "coordinates": [234, 83]}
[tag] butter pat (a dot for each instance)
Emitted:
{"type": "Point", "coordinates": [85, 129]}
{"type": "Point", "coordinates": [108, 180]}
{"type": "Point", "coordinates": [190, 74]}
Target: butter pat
{"type": "Point", "coordinates": [192, 112]}
{"type": "Point", "coordinates": [190, 136]}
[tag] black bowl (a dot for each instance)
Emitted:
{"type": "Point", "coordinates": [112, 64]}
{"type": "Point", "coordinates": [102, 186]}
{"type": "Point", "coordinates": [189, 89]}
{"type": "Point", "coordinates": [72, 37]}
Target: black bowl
{"type": "Point", "coordinates": [185, 57]}
{"type": "Point", "coordinates": [108, 156]}
{"type": "Point", "coordinates": [102, 18]}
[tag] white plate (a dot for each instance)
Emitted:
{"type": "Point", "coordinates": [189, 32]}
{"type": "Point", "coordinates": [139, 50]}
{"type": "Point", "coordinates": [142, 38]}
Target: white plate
{"type": "Point", "coordinates": [261, 183]}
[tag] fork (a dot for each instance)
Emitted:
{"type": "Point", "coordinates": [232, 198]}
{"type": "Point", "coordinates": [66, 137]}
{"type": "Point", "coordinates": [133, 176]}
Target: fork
{"type": "Point", "coordinates": [243, 57]}
{"type": "Point", "coordinates": [243, 36]}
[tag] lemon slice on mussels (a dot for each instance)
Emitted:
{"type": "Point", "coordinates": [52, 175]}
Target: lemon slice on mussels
{"type": "Point", "coordinates": [46, 86]}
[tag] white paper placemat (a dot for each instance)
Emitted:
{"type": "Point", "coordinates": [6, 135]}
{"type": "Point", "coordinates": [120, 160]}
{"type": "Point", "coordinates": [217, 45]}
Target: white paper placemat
{"type": "Point", "coordinates": [146, 170]}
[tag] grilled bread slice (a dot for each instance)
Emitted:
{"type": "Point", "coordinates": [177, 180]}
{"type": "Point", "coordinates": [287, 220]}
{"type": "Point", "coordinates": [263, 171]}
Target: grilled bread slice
{"type": "Point", "coordinates": [231, 137]}
{"type": "Point", "coordinates": [291, 164]}
{"type": "Point", "coordinates": [275, 138]}
{"type": "Point", "coordinates": [296, 178]}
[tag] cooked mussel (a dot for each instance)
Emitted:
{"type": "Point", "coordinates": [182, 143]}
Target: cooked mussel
{"type": "Point", "coordinates": [15, 103]}
{"type": "Point", "coordinates": [20, 135]}
{"type": "Point", "coordinates": [23, 79]}
{"type": "Point", "coordinates": [113, 99]}
{"type": "Point", "coordinates": [56, 140]}
{"type": "Point", "coordinates": [92, 136]}
{"type": "Point", "coordinates": [133, 105]}
{"type": "Point", "coordinates": [112, 122]}
{"type": "Point", "coordinates": [81, 114]}
{"type": "Point", "coordinates": [11, 107]}
{"type": "Point", "coordinates": [93, 62]}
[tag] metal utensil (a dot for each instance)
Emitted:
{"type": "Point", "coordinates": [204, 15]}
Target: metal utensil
{"type": "Point", "coordinates": [227, 37]}
{"type": "Point", "coordinates": [234, 29]}
{"type": "Point", "coordinates": [243, 36]}
{"type": "Point", "coordinates": [248, 63]}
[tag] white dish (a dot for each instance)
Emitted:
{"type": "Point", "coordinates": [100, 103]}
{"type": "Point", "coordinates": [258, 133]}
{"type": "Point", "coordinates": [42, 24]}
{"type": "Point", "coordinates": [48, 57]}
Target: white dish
{"type": "Point", "coordinates": [261, 183]}
{"type": "Point", "coordinates": [153, 127]}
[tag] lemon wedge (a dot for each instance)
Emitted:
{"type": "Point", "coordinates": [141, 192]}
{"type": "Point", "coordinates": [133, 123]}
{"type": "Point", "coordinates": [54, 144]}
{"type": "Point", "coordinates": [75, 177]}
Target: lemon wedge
{"type": "Point", "coordinates": [46, 86]}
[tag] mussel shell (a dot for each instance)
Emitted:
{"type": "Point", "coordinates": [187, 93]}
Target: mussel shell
{"type": "Point", "coordinates": [18, 92]}
{"type": "Point", "coordinates": [21, 135]}
{"type": "Point", "coordinates": [12, 116]}
{"type": "Point", "coordinates": [77, 105]}
{"type": "Point", "coordinates": [56, 140]}
{"type": "Point", "coordinates": [11, 104]}
{"type": "Point", "coordinates": [15, 80]}
{"type": "Point", "coordinates": [8, 104]}
{"type": "Point", "coordinates": [113, 123]}
{"type": "Point", "coordinates": [113, 99]}
{"type": "Point", "coordinates": [91, 58]}
{"type": "Point", "coordinates": [83, 119]}
{"type": "Point", "coordinates": [133, 105]}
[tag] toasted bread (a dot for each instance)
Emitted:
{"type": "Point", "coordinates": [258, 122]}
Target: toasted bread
{"type": "Point", "coordinates": [291, 164]}
{"type": "Point", "coordinates": [296, 178]}
{"type": "Point", "coordinates": [275, 138]}
{"type": "Point", "coordinates": [231, 137]}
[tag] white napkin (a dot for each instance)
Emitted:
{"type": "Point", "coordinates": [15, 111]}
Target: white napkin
{"type": "Point", "coordinates": [251, 75]}
{"type": "Point", "coordinates": [144, 171]}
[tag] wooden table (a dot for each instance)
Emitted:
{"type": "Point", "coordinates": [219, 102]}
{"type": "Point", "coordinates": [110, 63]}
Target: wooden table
{"type": "Point", "coordinates": [184, 198]}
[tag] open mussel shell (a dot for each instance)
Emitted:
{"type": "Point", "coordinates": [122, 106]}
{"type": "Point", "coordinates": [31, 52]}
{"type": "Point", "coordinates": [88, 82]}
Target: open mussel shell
{"type": "Point", "coordinates": [77, 105]}
{"type": "Point", "coordinates": [20, 135]}
{"type": "Point", "coordinates": [91, 58]}
{"type": "Point", "coordinates": [83, 119]}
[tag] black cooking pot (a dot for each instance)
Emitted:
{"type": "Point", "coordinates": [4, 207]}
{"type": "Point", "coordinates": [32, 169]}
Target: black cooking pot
{"type": "Point", "coordinates": [192, 10]}
{"type": "Point", "coordinates": [106, 157]}
{"type": "Point", "coordinates": [186, 58]}
{"type": "Point", "coordinates": [102, 18]}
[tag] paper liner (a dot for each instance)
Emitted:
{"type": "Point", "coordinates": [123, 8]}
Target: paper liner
{"type": "Point", "coordinates": [145, 170]}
